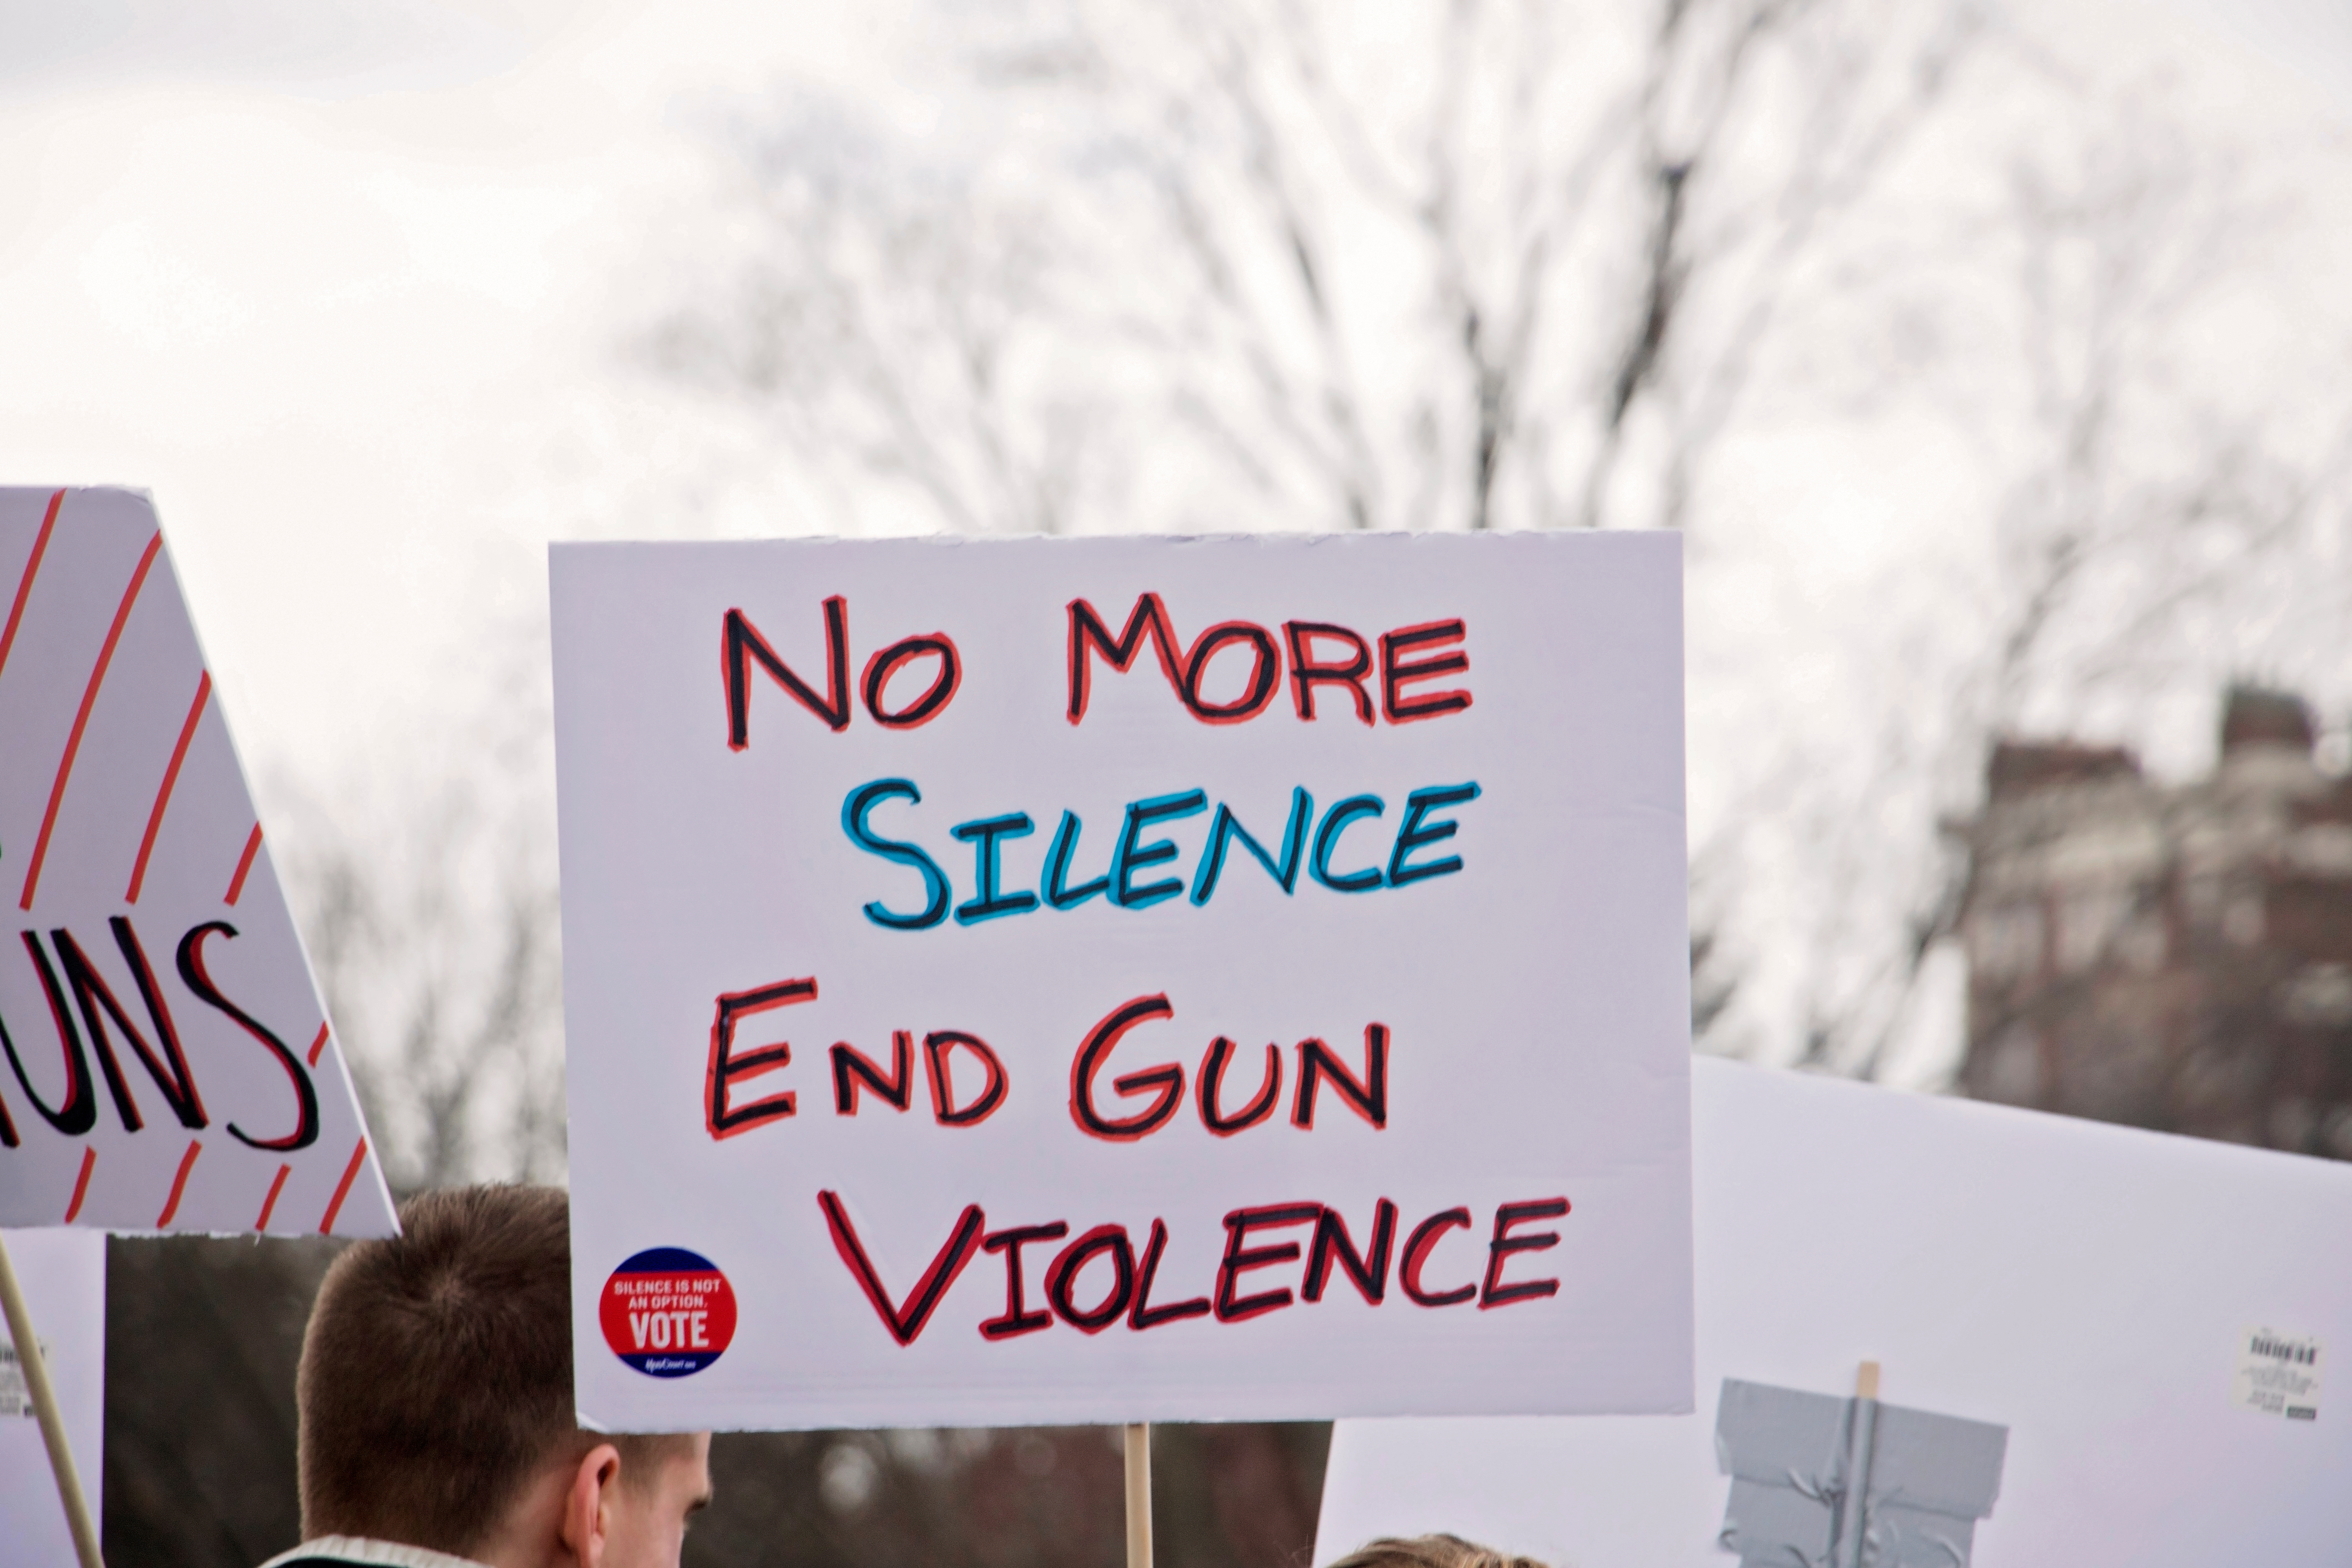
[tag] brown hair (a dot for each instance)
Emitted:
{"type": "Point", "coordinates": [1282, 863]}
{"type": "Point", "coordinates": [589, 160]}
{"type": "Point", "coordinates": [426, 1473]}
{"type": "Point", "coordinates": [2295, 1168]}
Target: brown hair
{"type": "Point", "coordinates": [436, 1372]}
{"type": "Point", "coordinates": [1431, 1551]}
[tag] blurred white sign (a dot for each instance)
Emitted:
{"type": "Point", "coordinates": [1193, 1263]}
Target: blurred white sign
{"type": "Point", "coordinates": [2087, 1288]}
{"type": "Point", "coordinates": [1112, 980]}
{"type": "Point", "coordinates": [169, 1067]}
{"type": "Point", "coordinates": [63, 1273]}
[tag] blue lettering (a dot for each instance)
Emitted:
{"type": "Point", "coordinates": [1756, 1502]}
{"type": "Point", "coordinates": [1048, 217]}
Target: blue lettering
{"type": "Point", "coordinates": [1228, 827]}
{"type": "Point", "coordinates": [854, 810]}
{"type": "Point", "coordinates": [1327, 840]}
{"type": "Point", "coordinates": [1132, 853]}
{"type": "Point", "coordinates": [983, 837]}
{"type": "Point", "coordinates": [1411, 834]}
{"type": "Point", "coordinates": [1058, 892]}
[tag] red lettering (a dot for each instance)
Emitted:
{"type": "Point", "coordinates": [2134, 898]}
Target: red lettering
{"type": "Point", "coordinates": [190, 960]}
{"type": "Point", "coordinates": [1493, 1292]}
{"type": "Point", "coordinates": [1144, 1315]}
{"type": "Point", "coordinates": [1397, 671]}
{"type": "Point", "coordinates": [1306, 671]}
{"type": "Point", "coordinates": [1330, 1246]}
{"type": "Point", "coordinates": [1417, 1248]}
{"type": "Point", "coordinates": [938, 1048]}
{"type": "Point", "coordinates": [1062, 1277]}
{"type": "Point", "coordinates": [855, 1071]}
{"type": "Point", "coordinates": [1367, 1270]}
{"type": "Point", "coordinates": [98, 1004]}
{"type": "Point", "coordinates": [1017, 1319]}
{"type": "Point", "coordinates": [905, 1322]}
{"type": "Point", "coordinates": [740, 645]}
{"type": "Point", "coordinates": [1208, 1088]}
{"type": "Point", "coordinates": [1265, 669]}
{"type": "Point", "coordinates": [1410, 657]}
{"type": "Point", "coordinates": [1087, 632]}
{"type": "Point", "coordinates": [1187, 671]}
{"type": "Point", "coordinates": [1167, 1081]}
{"type": "Point", "coordinates": [935, 698]}
{"type": "Point", "coordinates": [1367, 1097]}
{"type": "Point", "coordinates": [1240, 1259]}
{"type": "Point", "coordinates": [726, 1120]}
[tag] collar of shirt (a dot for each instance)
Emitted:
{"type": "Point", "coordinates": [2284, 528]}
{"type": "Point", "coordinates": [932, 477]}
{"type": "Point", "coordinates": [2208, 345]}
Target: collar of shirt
{"type": "Point", "coordinates": [372, 1553]}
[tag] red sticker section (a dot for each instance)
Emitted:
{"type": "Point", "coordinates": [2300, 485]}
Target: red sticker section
{"type": "Point", "coordinates": [668, 1313]}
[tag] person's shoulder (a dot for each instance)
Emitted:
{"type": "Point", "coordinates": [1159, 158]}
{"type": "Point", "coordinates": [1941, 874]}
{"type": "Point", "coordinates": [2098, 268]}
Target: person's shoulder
{"type": "Point", "coordinates": [357, 1552]}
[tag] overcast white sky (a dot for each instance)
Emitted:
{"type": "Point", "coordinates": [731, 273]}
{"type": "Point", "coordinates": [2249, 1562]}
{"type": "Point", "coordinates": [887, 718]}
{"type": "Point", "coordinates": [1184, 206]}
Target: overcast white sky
{"type": "Point", "coordinates": [347, 287]}
{"type": "Point", "coordinates": [344, 286]}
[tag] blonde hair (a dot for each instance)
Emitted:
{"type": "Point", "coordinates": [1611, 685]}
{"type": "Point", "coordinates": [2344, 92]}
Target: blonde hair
{"type": "Point", "coordinates": [1431, 1551]}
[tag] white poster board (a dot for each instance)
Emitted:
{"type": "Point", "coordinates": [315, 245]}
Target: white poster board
{"type": "Point", "coordinates": [909, 889]}
{"type": "Point", "coordinates": [2095, 1290]}
{"type": "Point", "coordinates": [168, 1066]}
{"type": "Point", "coordinates": [63, 1273]}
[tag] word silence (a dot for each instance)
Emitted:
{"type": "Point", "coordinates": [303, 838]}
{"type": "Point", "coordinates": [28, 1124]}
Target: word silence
{"type": "Point", "coordinates": [1131, 879]}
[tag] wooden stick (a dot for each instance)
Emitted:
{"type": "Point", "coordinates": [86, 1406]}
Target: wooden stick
{"type": "Point", "coordinates": [1139, 1495]}
{"type": "Point", "coordinates": [53, 1424]}
{"type": "Point", "coordinates": [1866, 1381]}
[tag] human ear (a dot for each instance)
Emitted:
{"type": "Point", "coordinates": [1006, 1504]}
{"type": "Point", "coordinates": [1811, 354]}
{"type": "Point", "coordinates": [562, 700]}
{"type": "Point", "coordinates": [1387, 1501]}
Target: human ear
{"type": "Point", "coordinates": [587, 1506]}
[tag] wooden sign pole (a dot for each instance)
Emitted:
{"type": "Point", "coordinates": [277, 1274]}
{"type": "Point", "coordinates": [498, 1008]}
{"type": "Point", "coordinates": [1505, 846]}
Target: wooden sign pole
{"type": "Point", "coordinates": [53, 1424]}
{"type": "Point", "coordinates": [1139, 1495]}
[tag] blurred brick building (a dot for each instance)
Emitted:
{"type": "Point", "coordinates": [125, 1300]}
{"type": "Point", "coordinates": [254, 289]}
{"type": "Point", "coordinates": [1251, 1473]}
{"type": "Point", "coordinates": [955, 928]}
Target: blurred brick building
{"type": "Point", "coordinates": [2174, 957]}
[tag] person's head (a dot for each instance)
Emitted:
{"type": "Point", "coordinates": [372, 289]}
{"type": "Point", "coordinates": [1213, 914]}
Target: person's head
{"type": "Point", "coordinates": [435, 1399]}
{"type": "Point", "coordinates": [1431, 1551]}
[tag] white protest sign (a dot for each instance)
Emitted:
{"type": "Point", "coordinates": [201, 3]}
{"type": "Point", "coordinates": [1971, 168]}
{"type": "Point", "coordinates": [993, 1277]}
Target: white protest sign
{"type": "Point", "coordinates": [2110, 1299]}
{"type": "Point", "coordinates": [64, 1275]}
{"type": "Point", "coordinates": [1122, 980]}
{"type": "Point", "coordinates": [169, 1064]}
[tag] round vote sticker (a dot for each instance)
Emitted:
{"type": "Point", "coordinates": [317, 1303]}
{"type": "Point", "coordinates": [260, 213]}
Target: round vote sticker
{"type": "Point", "coordinates": [668, 1311]}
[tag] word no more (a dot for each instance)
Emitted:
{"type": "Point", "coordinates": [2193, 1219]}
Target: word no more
{"type": "Point", "coordinates": [1320, 657]}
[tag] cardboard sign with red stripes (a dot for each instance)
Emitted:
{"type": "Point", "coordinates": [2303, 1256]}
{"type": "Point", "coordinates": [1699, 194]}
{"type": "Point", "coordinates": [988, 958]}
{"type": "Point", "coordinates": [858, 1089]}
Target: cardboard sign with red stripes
{"type": "Point", "coordinates": [168, 1064]}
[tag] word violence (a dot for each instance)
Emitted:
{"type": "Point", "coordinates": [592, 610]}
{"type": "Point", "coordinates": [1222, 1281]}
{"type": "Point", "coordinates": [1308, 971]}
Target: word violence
{"type": "Point", "coordinates": [1310, 659]}
{"type": "Point", "coordinates": [1099, 1277]}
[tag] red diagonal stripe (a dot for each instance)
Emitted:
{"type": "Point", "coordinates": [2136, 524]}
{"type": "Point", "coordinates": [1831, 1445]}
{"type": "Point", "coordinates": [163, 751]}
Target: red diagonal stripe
{"type": "Point", "coordinates": [25, 583]}
{"type": "Point", "coordinates": [317, 1045]}
{"type": "Point", "coordinates": [270, 1202]}
{"type": "Point", "coordinates": [81, 1183]}
{"type": "Point", "coordinates": [244, 863]}
{"type": "Point", "coordinates": [81, 719]}
{"type": "Point", "coordinates": [343, 1188]}
{"type": "Point", "coordinates": [179, 1184]}
{"type": "Point", "coordinates": [171, 777]}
